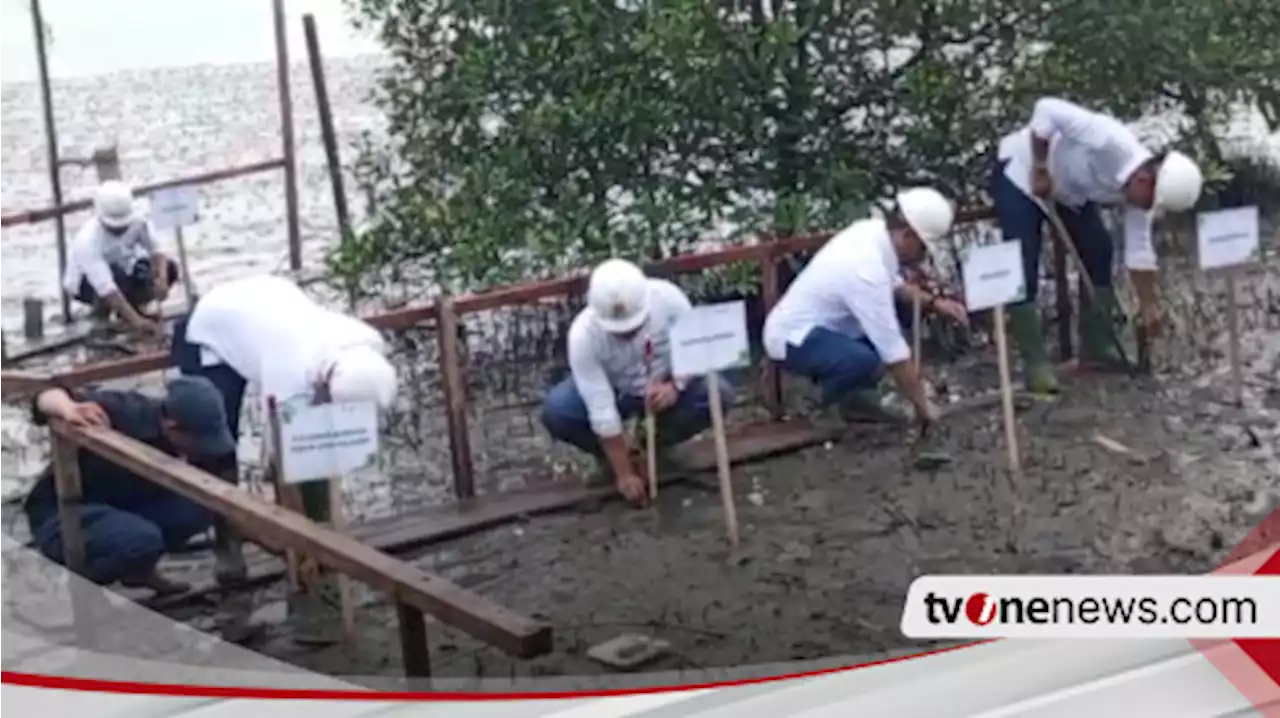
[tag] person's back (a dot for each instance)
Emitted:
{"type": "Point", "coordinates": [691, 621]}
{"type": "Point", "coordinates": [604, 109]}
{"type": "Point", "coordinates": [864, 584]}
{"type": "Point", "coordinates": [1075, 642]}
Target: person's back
{"type": "Point", "coordinates": [257, 323]}
{"type": "Point", "coordinates": [818, 295]}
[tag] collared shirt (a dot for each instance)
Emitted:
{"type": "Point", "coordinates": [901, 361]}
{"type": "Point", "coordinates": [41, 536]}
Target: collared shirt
{"type": "Point", "coordinates": [274, 335]}
{"type": "Point", "coordinates": [1091, 156]}
{"type": "Point", "coordinates": [606, 365]}
{"type": "Point", "coordinates": [847, 287]}
{"type": "Point", "coordinates": [131, 413]}
{"type": "Point", "coordinates": [94, 251]}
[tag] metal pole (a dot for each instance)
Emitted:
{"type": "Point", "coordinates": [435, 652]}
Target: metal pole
{"type": "Point", "coordinates": [286, 136]}
{"type": "Point", "coordinates": [326, 124]}
{"type": "Point", "coordinates": [51, 141]}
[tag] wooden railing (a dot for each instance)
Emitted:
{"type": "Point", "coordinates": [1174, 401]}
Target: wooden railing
{"type": "Point", "coordinates": [413, 591]}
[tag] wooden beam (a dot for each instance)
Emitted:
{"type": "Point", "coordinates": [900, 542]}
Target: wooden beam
{"type": "Point", "coordinates": [455, 401]}
{"type": "Point", "coordinates": [469, 612]}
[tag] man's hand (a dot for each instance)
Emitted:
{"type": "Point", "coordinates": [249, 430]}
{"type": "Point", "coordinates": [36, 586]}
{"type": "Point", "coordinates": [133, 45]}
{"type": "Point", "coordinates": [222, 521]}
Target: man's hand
{"type": "Point", "coordinates": [660, 396]}
{"type": "Point", "coordinates": [953, 310]}
{"type": "Point", "coordinates": [634, 489]}
{"type": "Point", "coordinates": [146, 327]}
{"type": "Point", "coordinates": [1041, 181]}
{"type": "Point", "coordinates": [928, 413]}
{"type": "Point", "coordinates": [86, 413]}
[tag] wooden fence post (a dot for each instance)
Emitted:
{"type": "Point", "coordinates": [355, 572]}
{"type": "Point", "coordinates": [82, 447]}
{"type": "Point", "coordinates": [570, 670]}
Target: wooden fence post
{"type": "Point", "coordinates": [288, 146]}
{"type": "Point", "coordinates": [769, 294]}
{"type": "Point", "coordinates": [414, 652]}
{"type": "Point", "coordinates": [455, 397]}
{"type": "Point", "coordinates": [66, 478]}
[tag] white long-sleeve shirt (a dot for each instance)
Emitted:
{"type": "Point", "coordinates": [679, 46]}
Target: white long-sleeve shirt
{"type": "Point", "coordinates": [94, 251]}
{"type": "Point", "coordinates": [606, 365]}
{"type": "Point", "coordinates": [274, 335]}
{"type": "Point", "coordinates": [1091, 156]}
{"type": "Point", "coordinates": [847, 287]}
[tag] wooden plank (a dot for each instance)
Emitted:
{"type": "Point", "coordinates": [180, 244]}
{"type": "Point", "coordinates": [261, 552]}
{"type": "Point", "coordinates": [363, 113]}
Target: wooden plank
{"type": "Point", "coordinates": [425, 528]}
{"type": "Point", "coordinates": [455, 399]}
{"type": "Point", "coordinates": [451, 604]}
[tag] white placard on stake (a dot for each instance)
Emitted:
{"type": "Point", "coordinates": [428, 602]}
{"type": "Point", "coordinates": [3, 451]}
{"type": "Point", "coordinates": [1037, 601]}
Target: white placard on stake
{"type": "Point", "coordinates": [704, 342]}
{"type": "Point", "coordinates": [994, 276]}
{"type": "Point", "coordinates": [1228, 237]}
{"type": "Point", "coordinates": [174, 207]}
{"type": "Point", "coordinates": [327, 440]}
{"type": "Point", "coordinates": [710, 338]}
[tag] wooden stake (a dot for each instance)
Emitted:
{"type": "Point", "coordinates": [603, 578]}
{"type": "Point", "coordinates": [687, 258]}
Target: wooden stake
{"type": "Point", "coordinates": [1233, 339]}
{"type": "Point", "coordinates": [650, 426]}
{"type": "Point", "coordinates": [285, 494]}
{"type": "Point", "coordinates": [722, 457]}
{"type": "Point", "coordinates": [66, 477]}
{"type": "Point", "coordinates": [1006, 392]}
{"type": "Point", "coordinates": [915, 330]}
{"type": "Point", "coordinates": [338, 521]}
{"type": "Point", "coordinates": [288, 146]}
{"type": "Point", "coordinates": [188, 284]}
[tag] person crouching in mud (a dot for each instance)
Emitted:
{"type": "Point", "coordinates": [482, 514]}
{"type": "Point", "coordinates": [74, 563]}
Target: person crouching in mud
{"type": "Point", "coordinates": [266, 331]}
{"type": "Point", "coordinates": [128, 522]}
{"type": "Point", "coordinates": [620, 362]}
{"type": "Point", "coordinates": [114, 264]}
{"type": "Point", "coordinates": [1079, 160]}
{"type": "Point", "coordinates": [837, 324]}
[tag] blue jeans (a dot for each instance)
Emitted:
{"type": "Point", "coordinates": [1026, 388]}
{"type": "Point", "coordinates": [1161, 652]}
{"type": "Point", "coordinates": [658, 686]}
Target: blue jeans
{"type": "Point", "coordinates": [1021, 218]}
{"type": "Point", "coordinates": [125, 543]}
{"type": "Point", "coordinates": [565, 414]}
{"type": "Point", "coordinates": [229, 383]}
{"type": "Point", "coordinates": [838, 363]}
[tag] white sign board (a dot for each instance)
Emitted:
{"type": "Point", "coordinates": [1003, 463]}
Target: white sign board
{"type": "Point", "coordinates": [1228, 237]}
{"type": "Point", "coordinates": [174, 207]}
{"type": "Point", "coordinates": [993, 275]}
{"type": "Point", "coordinates": [327, 441]}
{"type": "Point", "coordinates": [710, 338]}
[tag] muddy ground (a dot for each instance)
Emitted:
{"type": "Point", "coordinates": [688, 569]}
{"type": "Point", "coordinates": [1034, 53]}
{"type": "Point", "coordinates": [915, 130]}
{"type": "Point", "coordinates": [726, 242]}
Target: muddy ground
{"type": "Point", "coordinates": [832, 536]}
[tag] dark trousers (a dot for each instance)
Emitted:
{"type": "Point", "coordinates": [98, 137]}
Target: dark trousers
{"type": "Point", "coordinates": [135, 286]}
{"type": "Point", "coordinates": [1021, 218]}
{"type": "Point", "coordinates": [838, 363]}
{"type": "Point", "coordinates": [126, 543]}
{"type": "Point", "coordinates": [564, 413]}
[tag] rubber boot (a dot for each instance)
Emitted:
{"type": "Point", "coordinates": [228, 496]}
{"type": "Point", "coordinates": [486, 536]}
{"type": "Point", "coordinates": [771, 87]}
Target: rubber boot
{"type": "Point", "coordinates": [314, 613]}
{"type": "Point", "coordinates": [1097, 342]}
{"type": "Point", "coordinates": [228, 553]}
{"type": "Point", "coordinates": [1028, 334]}
{"type": "Point", "coordinates": [867, 406]}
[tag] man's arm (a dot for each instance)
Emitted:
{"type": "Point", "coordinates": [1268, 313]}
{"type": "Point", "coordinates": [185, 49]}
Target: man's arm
{"type": "Point", "coordinates": [159, 262]}
{"type": "Point", "coordinates": [593, 386]}
{"type": "Point", "coordinates": [871, 302]}
{"type": "Point", "coordinates": [1140, 257]}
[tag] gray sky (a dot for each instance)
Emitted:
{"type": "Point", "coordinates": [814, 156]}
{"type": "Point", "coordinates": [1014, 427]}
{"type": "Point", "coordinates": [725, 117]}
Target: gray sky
{"type": "Point", "coordinates": [97, 36]}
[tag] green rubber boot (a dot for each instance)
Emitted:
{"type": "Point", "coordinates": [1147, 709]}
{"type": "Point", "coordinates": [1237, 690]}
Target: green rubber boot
{"type": "Point", "coordinates": [1025, 326]}
{"type": "Point", "coordinates": [867, 406]}
{"type": "Point", "coordinates": [1096, 343]}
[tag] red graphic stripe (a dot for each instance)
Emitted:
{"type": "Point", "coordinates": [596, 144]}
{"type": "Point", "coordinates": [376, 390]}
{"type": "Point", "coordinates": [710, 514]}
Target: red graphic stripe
{"type": "Point", "coordinates": [1265, 651]}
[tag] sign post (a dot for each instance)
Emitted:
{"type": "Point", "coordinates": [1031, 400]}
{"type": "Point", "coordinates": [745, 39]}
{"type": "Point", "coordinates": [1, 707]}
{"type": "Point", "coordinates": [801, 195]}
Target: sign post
{"type": "Point", "coordinates": [704, 342]}
{"type": "Point", "coordinates": [319, 442]}
{"type": "Point", "coordinates": [174, 208]}
{"type": "Point", "coordinates": [993, 277]}
{"type": "Point", "coordinates": [650, 426]}
{"type": "Point", "coordinates": [1228, 239]}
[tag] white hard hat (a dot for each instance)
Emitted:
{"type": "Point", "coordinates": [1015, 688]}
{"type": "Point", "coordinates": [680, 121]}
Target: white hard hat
{"type": "Point", "coordinates": [361, 373]}
{"type": "Point", "coordinates": [113, 203]}
{"type": "Point", "coordinates": [618, 296]}
{"type": "Point", "coordinates": [927, 212]}
{"type": "Point", "coordinates": [1178, 183]}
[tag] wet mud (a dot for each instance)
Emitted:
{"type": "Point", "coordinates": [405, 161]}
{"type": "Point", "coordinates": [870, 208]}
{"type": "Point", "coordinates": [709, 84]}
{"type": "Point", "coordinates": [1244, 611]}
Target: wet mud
{"type": "Point", "coordinates": [833, 536]}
